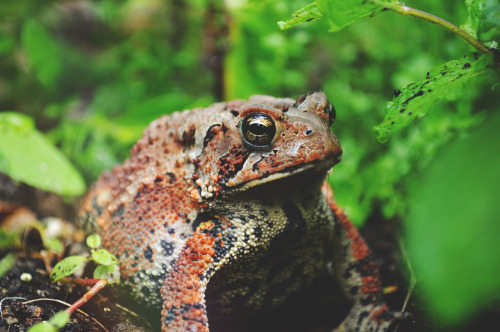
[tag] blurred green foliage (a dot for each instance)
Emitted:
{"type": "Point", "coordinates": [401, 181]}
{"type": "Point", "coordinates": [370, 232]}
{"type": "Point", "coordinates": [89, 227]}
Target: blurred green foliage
{"type": "Point", "coordinates": [93, 74]}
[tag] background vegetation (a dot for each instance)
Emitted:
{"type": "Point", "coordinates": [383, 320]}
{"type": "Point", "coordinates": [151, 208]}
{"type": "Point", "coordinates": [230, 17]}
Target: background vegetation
{"type": "Point", "coordinates": [91, 75]}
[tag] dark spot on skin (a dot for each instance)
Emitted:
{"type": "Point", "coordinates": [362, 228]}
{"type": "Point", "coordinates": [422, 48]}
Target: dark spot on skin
{"type": "Point", "coordinates": [397, 92]}
{"type": "Point", "coordinates": [148, 254]}
{"type": "Point", "coordinates": [466, 66]}
{"type": "Point", "coordinates": [171, 177]}
{"type": "Point", "coordinates": [211, 132]}
{"type": "Point", "coordinates": [234, 113]}
{"type": "Point", "coordinates": [308, 132]}
{"type": "Point", "coordinates": [167, 247]}
{"type": "Point", "coordinates": [187, 138]}
{"type": "Point", "coordinates": [171, 231]}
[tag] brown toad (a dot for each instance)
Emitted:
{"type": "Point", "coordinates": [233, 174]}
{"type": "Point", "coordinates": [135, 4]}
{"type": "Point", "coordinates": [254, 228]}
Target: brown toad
{"type": "Point", "coordinates": [228, 201]}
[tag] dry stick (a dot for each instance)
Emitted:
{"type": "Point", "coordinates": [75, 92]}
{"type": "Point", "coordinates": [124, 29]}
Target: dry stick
{"type": "Point", "coordinates": [404, 10]}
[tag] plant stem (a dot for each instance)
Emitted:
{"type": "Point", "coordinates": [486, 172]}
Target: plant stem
{"type": "Point", "coordinates": [404, 10]}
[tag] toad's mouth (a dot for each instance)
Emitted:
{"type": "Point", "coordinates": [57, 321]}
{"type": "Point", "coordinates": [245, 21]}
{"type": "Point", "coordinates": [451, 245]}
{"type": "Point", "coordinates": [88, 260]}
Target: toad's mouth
{"type": "Point", "coordinates": [319, 166]}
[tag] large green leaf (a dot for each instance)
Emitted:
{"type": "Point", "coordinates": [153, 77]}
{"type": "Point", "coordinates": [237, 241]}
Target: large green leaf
{"type": "Point", "coordinates": [27, 156]}
{"type": "Point", "coordinates": [453, 226]}
{"type": "Point", "coordinates": [416, 99]}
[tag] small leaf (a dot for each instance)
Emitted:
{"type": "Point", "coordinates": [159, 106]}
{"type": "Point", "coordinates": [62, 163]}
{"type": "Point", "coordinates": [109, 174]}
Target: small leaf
{"type": "Point", "coordinates": [94, 241]}
{"type": "Point", "coordinates": [103, 257]}
{"type": "Point", "coordinates": [110, 273]}
{"type": "Point", "coordinates": [27, 156]}
{"type": "Point", "coordinates": [416, 99]}
{"type": "Point", "coordinates": [53, 244]}
{"type": "Point", "coordinates": [7, 263]}
{"type": "Point", "coordinates": [474, 11]}
{"type": "Point", "coordinates": [60, 319]}
{"type": "Point", "coordinates": [43, 327]}
{"type": "Point", "coordinates": [307, 14]}
{"type": "Point", "coordinates": [66, 267]}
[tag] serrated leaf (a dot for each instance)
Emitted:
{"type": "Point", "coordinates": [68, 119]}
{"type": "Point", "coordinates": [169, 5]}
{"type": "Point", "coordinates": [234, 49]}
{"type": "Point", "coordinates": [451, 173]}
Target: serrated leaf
{"type": "Point", "coordinates": [43, 52]}
{"type": "Point", "coordinates": [474, 11]}
{"type": "Point", "coordinates": [27, 156]}
{"type": "Point", "coordinates": [110, 273]}
{"type": "Point", "coordinates": [66, 267]}
{"type": "Point", "coordinates": [415, 99]}
{"type": "Point", "coordinates": [307, 14]}
{"type": "Point", "coordinates": [103, 257]}
{"type": "Point", "coordinates": [341, 13]}
{"type": "Point", "coordinates": [60, 319]}
{"type": "Point", "coordinates": [94, 241]}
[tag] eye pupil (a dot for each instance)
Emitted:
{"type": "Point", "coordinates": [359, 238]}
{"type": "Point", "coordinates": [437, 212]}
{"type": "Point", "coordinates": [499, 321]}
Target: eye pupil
{"type": "Point", "coordinates": [258, 130]}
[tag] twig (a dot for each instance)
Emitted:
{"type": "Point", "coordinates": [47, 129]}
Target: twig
{"type": "Point", "coordinates": [405, 10]}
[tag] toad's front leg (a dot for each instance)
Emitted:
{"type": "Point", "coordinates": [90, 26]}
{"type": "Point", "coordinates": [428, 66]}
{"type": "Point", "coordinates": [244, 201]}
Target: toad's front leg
{"type": "Point", "coordinates": [212, 244]}
{"type": "Point", "coordinates": [359, 277]}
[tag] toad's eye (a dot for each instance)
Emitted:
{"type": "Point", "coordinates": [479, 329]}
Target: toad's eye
{"type": "Point", "coordinates": [258, 130]}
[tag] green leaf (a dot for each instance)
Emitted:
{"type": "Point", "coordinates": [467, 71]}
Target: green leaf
{"type": "Point", "coordinates": [341, 13]}
{"type": "Point", "coordinates": [109, 272]}
{"type": "Point", "coordinates": [43, 327]}
{"type": "Point", "coordinates": [104, 257]}
{"type": "Point", "coordinates": [6, 263]}
{"type": "Point", "coordinates": [94, 241]}
{"type": "Point", "coordinates": [66, 267]}
{"type": "Point", "coordinates": [53, 244]}
{"type": "Point", "coordinates": [474, 11]}
{"type": "Point", "coordinates": [307, 14]}
{"type": "Point", "coordinates": [27, 156]}
{"type": "Point", "coordinates": [43, 52]}
{"type": "Point", "coordinates": [57, 321]}
{"type": "Point", "coordinates": [60, 319]}
{"type": "Point", "coordinates": [453, 225]}
{"type": "Point", "coordinates": [416, 99]}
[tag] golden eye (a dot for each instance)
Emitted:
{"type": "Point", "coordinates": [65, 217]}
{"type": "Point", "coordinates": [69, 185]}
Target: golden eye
{"type": "Point", "coordinates": [258, 130]}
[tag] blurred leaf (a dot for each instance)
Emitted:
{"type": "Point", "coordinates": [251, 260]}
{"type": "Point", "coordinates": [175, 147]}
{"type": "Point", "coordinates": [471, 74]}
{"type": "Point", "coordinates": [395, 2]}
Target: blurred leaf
{"type": "Point", "coordinates": [304, 15]}
{"type": "Point", "coordinates": [27, 156]}
{"type": "Point", "coordinates": [43, 52]}
{"type": "Point", "coordinates": [453, 226]}
{"type": "Point", "coordinates": [416, 99]}
{"type": "Point", "coordinates": [7, 263]}
{"type": "Point", "coordinates": [60, 319]}
{"type": "Point", "coordinates": [43, 327]}
{"type": "Point", "coordinates": [66, 267]}
{"type": "Point", "coordinates": [53, 244]}
{"type": "Point", "coordinates": [474, 11]}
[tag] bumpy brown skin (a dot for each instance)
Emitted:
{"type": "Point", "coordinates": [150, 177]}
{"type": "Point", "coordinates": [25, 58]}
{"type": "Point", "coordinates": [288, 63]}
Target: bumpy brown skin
{"type": "Point", "coordinates": [198, 212]}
